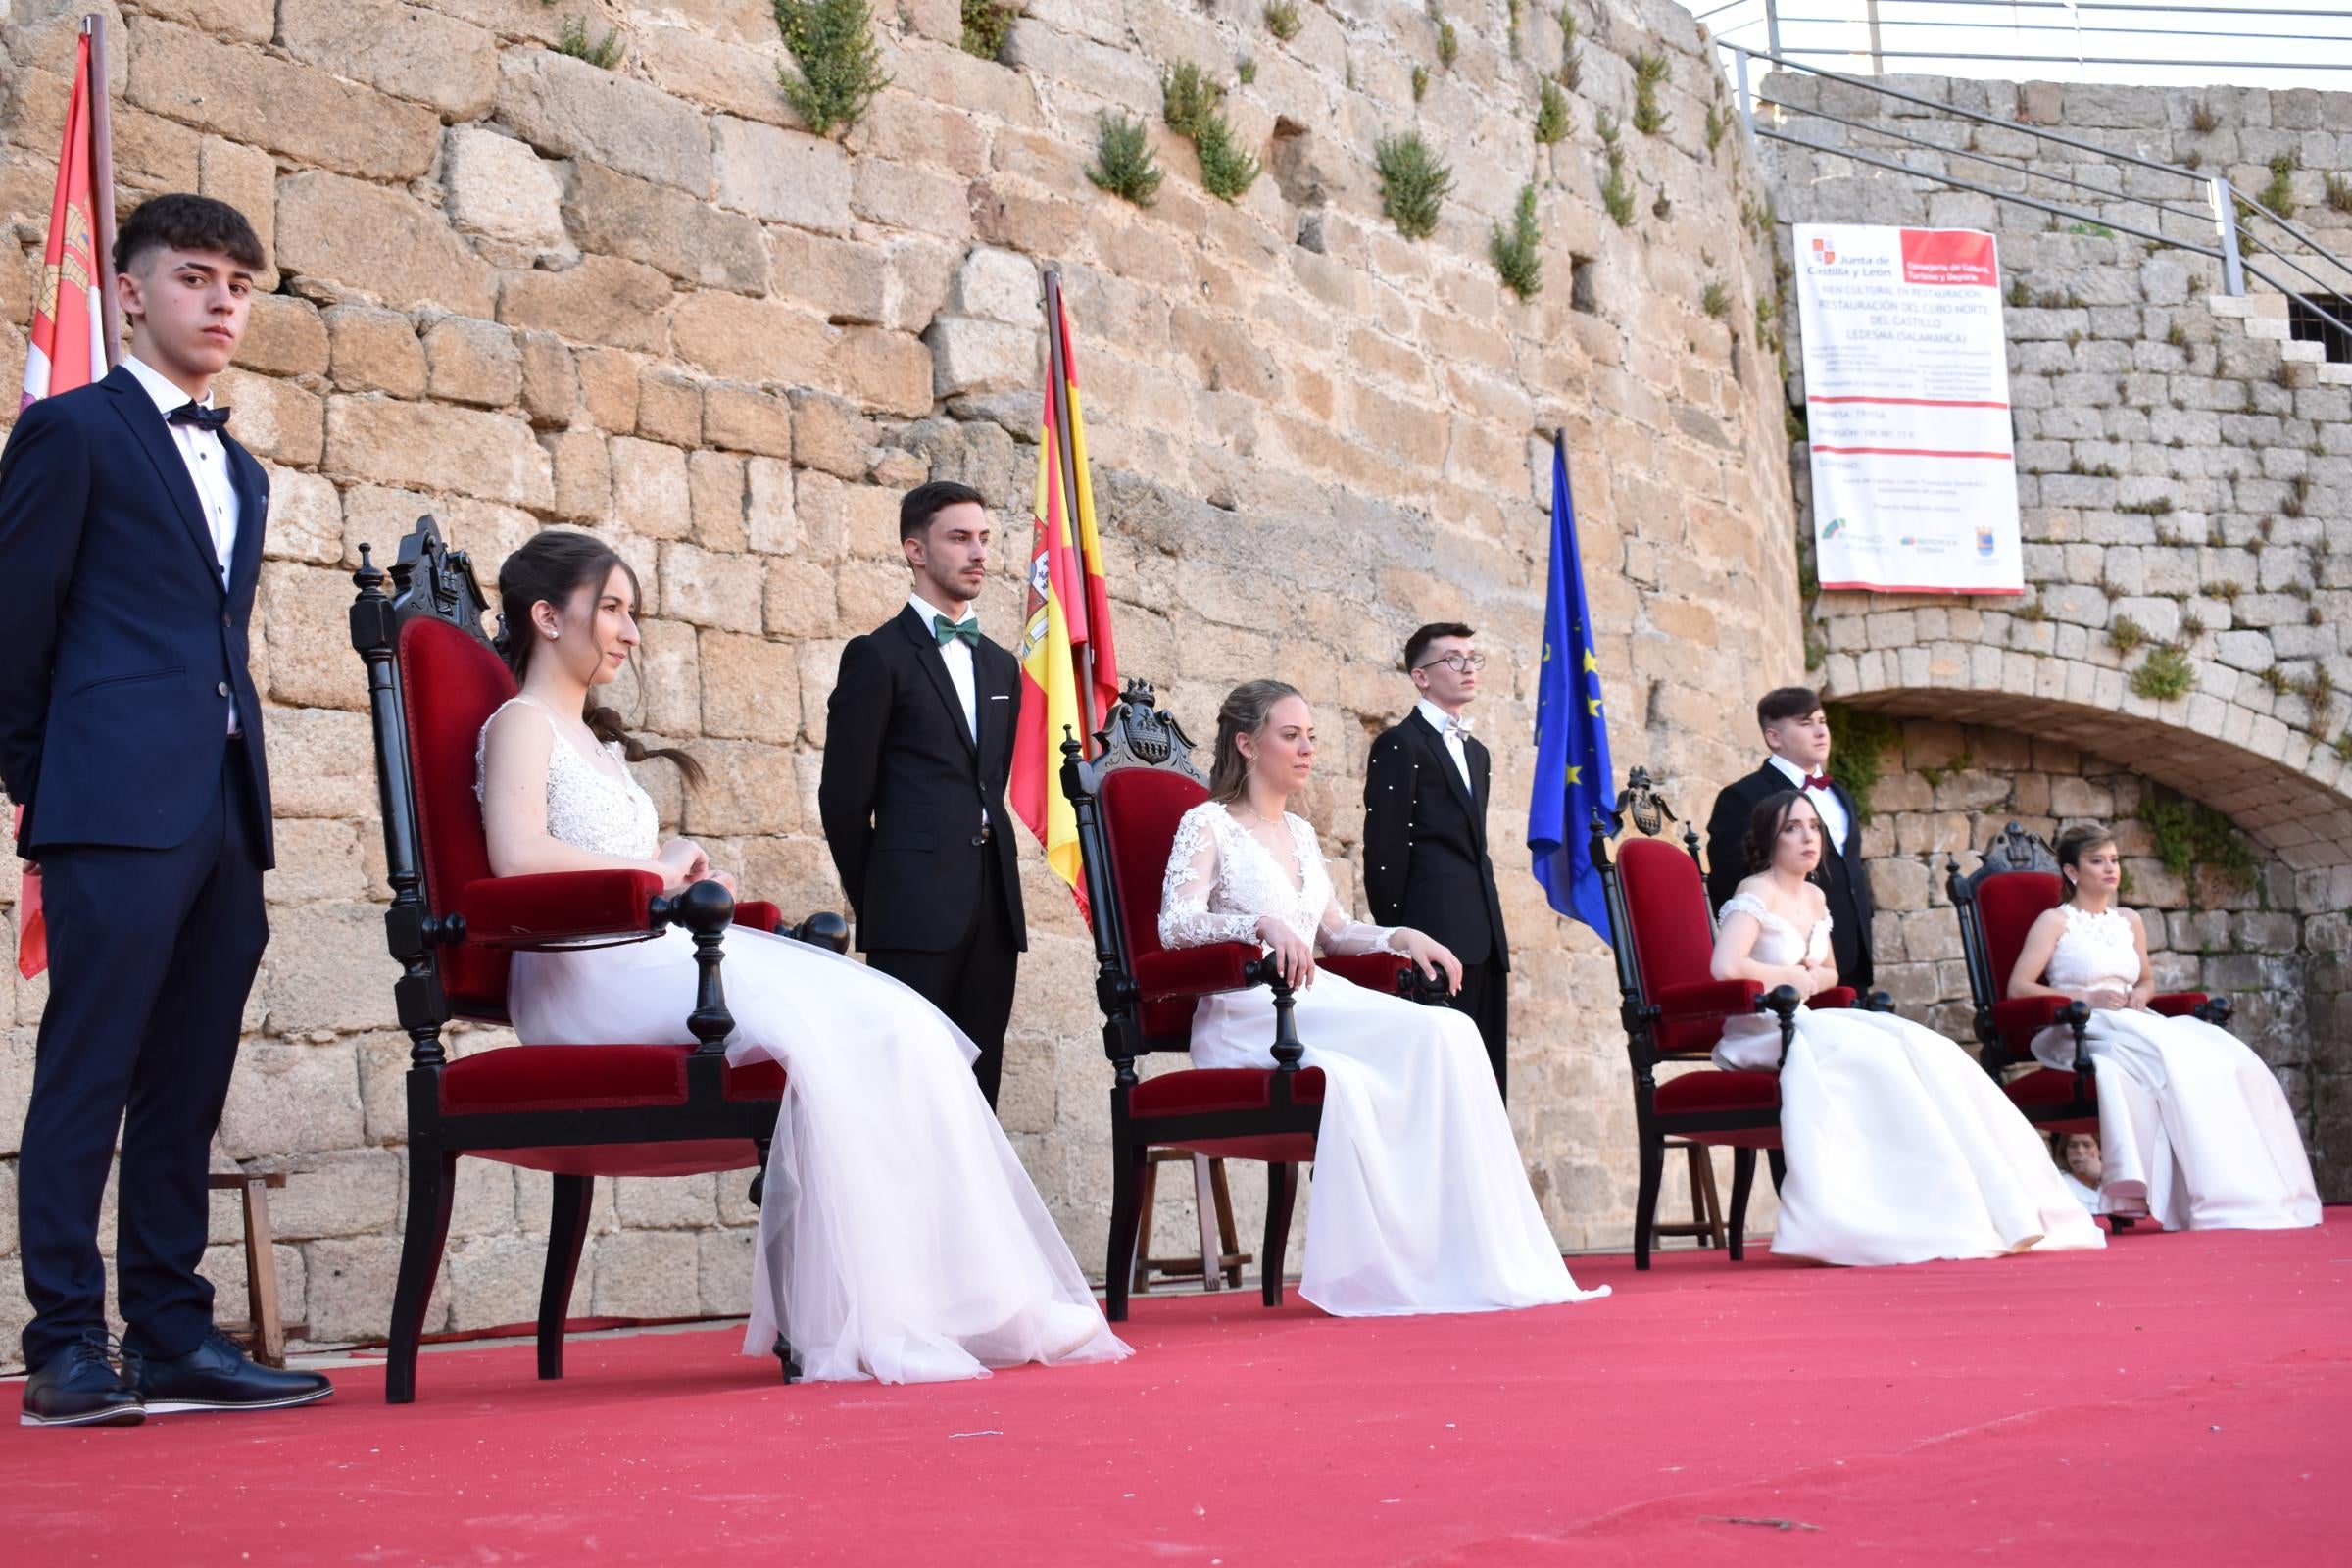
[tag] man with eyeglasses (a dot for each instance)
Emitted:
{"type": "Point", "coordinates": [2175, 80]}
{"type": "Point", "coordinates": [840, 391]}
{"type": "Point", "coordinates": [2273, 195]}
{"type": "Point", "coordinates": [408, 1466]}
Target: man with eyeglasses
{"type": "Point", "coordinates": [1425, 830]}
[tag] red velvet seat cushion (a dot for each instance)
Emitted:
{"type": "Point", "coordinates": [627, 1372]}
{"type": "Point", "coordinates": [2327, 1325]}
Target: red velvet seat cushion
{"type": "Point", "coordinates": [677, 1158]}
{"type": "Point", "coordinates": [586, 1078]}
{"type": "Point", "coordinates": [1713, 1089]}
{"type": "Point", "coordinates": [2045, 1095]}
{"type": "Point", "coordinates": [1213, 1088]}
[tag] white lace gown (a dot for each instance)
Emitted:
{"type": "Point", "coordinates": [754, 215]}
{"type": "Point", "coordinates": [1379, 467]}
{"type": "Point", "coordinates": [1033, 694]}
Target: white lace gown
{"type": "Point", "coordinates": [900, 1239]}
{"type": "Point", "coordinates": [1900, 1147]}
{"type": "Point", "coordinates": [2193, 1128]}
{"type": "Point", "coordinates": [1419, 1203]}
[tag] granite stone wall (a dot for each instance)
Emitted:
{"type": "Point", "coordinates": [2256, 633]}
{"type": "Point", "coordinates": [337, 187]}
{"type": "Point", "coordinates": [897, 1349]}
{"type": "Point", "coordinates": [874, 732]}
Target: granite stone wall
{"type": "Point", "coordinates": [517, 290]}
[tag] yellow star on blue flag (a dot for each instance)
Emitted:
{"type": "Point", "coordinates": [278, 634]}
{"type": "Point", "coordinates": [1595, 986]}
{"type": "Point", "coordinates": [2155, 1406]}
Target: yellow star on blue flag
{"type": "Point", "coordinates": [1573, 778]}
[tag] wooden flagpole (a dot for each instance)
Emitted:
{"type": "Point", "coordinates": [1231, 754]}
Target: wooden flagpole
{"type": "Point", "coordinates": [101, 186]}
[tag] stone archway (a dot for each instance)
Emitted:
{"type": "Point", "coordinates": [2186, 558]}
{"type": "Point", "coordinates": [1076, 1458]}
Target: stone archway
{"type": "Point", "coordinates": [2291, 796]}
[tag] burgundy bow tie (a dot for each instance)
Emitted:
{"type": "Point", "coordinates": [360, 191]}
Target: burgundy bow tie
{"type": "Point", "coordinates": [1815, 781]}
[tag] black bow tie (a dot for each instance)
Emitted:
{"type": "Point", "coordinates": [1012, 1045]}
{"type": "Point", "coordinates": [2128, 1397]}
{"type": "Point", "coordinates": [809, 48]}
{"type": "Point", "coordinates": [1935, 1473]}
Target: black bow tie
{"type": "Point", "coordinates": [202, 418]}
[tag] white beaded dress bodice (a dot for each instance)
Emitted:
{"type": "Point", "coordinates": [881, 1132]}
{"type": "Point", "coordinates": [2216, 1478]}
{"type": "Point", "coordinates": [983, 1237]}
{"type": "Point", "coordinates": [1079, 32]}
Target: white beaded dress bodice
{"type": "Point", "coordinates": [1778, 942]}
{"type": "Point", "coordinates": [2094, 951]}
{"type": "Point", "coordinates": [1221, 881]}
{"type": "Point", "coordinates": [587, 808]}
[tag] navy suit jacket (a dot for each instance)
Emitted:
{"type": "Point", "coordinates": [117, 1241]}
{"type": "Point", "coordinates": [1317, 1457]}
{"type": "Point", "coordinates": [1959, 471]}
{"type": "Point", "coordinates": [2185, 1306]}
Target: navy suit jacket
{"type": "Point", "coordinates": [119, 645]}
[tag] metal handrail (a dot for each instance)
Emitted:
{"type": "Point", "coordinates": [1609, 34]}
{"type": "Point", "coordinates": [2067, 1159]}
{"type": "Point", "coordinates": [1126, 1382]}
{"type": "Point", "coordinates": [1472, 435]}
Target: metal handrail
{"type": "Point", "coordinates": [2226, 200]}
{"type": "Point", "coordinates": [1878, 15]}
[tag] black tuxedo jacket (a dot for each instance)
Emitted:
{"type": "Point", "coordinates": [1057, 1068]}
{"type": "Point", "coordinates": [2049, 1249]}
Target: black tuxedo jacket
{"type": "Point", "coordinates": [119, 645]}
{"type": "Point", "coordinates": [904, 786]}
{"type": "Point", "coordinates": [1425, 842]}
{"type": "Point", "coordinates": [1844, 877]}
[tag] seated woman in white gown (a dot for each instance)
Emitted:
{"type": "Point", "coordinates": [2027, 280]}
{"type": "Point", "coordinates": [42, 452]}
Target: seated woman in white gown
{"type": "Point", "coordinates": [1419, 1203]}
{"type": "Point", "coordinates": [1900, 1148]}
{"type": "Point", "coordinates": [2193, 1128]}
{"type": "Point", "coordinates": [898, 1237]}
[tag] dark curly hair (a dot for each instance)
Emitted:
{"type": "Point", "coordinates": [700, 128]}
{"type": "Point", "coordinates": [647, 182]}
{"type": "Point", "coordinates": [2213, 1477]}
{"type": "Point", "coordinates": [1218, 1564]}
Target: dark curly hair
{"type": "Point", "coordinates": [551, 567]}
{"type": "Point", "coordinates": [1765, 822]}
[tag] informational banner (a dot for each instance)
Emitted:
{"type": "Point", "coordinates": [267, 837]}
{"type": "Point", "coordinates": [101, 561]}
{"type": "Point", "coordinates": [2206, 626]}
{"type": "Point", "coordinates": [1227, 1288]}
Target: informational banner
{"type": "Point", "coordinates": [1907, 410]}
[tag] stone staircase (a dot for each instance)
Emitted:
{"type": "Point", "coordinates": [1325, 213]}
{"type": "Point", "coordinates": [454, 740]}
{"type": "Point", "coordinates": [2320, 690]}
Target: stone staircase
{"type": "Point", "coordinates": [2265, 316]}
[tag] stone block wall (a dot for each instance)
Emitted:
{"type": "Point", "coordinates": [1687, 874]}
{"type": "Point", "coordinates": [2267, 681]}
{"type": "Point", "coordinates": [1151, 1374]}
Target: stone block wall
{"type": "Point", "coordinates": [2185, 479]}
{"type": "Point", "coordinates": [518, 291]}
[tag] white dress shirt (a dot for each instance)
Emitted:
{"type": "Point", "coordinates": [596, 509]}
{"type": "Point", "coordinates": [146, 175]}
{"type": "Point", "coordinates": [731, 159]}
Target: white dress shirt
{"type": "Point", "coordinates": [1833, 814]}
{"type": "Point", "coordinates": [1443, 722]}
{"type": "Point", "coordinates": [957, 654]}
{"type": "Point", "coordinates": [206, 461]}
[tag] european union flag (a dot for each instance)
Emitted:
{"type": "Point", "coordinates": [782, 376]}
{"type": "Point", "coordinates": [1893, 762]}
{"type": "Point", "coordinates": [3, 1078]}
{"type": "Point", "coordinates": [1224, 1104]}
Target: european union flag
{"type": "Point", "coordinates": [1573, 777]}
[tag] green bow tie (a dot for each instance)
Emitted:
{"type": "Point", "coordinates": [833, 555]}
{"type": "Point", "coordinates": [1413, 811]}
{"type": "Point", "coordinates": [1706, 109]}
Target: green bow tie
{"type": "Point", "coordinates": [947, 630]}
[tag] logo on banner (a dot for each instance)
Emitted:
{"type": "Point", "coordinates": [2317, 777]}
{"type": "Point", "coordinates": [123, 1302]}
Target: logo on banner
{"type": "Point", "coordinates": [1822, 254]}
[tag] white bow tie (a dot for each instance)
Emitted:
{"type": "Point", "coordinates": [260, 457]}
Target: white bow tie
{"type": "Point", "coordinates": [1457, 726]}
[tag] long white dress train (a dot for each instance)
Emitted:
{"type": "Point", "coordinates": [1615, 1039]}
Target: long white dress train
{"type": "Point", "coordinates": [1419, 1203]}
{"type": "Point", "coordinates": [2195, 1130]}
{"type": "Point", "coordinates": [1900, 1148]}
{"type": "Point", "coordinates": [900, 1238]}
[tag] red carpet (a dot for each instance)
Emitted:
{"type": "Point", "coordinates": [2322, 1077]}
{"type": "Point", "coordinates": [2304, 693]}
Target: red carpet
{"type": "Point", "coordinates": [2174, 1400]}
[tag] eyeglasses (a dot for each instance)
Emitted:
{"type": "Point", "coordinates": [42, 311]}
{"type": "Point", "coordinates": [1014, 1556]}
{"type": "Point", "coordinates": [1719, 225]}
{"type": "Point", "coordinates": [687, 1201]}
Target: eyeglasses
{"type": "Point", "coordinates": [1458, 663]}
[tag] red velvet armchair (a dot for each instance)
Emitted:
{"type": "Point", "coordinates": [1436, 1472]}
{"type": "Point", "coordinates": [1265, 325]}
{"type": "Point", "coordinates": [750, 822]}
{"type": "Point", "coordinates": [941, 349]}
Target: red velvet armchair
{"type": "Point", "coordinates": [2016, 883]}
{"type": "Point", "coordinates": [1128, 801]}
{"type": "Point", "coordinates": [1674, 1010]}
{"type": "Point", "coordinates": [574, 1111]}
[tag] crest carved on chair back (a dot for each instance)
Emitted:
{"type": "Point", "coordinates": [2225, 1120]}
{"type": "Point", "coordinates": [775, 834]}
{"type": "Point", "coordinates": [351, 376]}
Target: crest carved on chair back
{"type": "Point", "coordinates": [1642, 805]}
{"type": "Point", "coordinates": [1137, 734]}
{"type": "Point", "coordinates": [2015, 850]}
{"type": "Point", "coordinates": [428, 578]}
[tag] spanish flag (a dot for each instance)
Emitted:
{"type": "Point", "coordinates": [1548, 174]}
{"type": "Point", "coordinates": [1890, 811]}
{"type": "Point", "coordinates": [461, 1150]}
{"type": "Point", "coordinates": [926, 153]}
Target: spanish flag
{"type": "Point", "coordinates": [1049, 672]}
{"type": "Point", "coordinates": [1090, 634]}
{"type": "Point", "coordinates": [69, 342]}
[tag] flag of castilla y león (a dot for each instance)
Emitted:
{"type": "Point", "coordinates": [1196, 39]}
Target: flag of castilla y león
{"type": "Point", "coordinates": [69, 350]}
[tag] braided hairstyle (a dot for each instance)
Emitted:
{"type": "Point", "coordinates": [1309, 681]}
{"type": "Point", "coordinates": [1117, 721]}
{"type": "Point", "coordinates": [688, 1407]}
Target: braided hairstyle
{"type": "Point", "coordinates": [553, 567]}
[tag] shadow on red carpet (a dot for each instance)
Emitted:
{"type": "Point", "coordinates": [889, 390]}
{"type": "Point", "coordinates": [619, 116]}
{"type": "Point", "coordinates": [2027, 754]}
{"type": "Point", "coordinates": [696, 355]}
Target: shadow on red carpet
{"type": "Point", "coordinates": [2188, 1397]}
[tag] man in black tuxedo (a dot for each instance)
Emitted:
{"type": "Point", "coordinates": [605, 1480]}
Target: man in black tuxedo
{"type": "Point", "coordinates": [1425, 830]}
{"type": "Point", "coordinates": [1796, 737]}
{"type": "Point", "coordinates": [918, 746]}
{"type": "Point", "coordinates": [130, 538]}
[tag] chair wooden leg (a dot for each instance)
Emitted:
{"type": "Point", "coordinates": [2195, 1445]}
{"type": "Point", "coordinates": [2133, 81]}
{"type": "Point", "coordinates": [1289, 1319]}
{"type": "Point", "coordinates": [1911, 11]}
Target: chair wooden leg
{"type": "Point", "coordinates": [1743, 1181]}
{"type": "Point", "coordinates": [566, 1231]}
{"type": "Point", "coordinates": [1228, 1245]}
{"type": "Point", "coordinates": [1129, 1165]}
{"type": "Point", "coordinates": [1706, 1213]}
{"type": "Point", "coordinates": [1282, 1192]}
{"type": "Point", "coordinates": [260, 1275]}
{"type": "Point", "coordinates": [432, 1184]}
{"type": "Point", "coordinates": [1646, 1199]}
{"type": "Point", "coordinates": [1141, 1274]}
{"type": "Point", "coordinates": [1204, 1208]}
{"type": "Point", "coordinates": [1779, 1162]}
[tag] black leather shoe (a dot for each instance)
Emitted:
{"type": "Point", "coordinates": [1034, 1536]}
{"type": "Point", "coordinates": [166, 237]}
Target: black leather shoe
{"type": "Point", "coordinates": [219, 1376]}
{"type": "Point", "coordinates": [81, 1387]}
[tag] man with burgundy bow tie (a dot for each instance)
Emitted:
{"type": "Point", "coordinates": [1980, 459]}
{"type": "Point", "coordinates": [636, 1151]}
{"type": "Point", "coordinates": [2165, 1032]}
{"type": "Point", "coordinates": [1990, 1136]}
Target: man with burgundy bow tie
{"type": "Point", "coordinates": [1426, 784]}
{"type": "Point", "coordinates": [131, 540]}
{"type": "Point", "coordinates": [1796, 735]}
{"type": "Point", "coordinates": [918, 746]}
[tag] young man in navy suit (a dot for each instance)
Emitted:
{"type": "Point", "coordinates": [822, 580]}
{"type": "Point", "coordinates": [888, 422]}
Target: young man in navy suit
{"type": "Point", "coordinates": [918, 748]}
{"type": "Point", "coordinates": [130, 538]}
{"type": "Point", "coordinates": [1796, 744]}
{"type": "Point", "coordinates": [1426, 866]}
